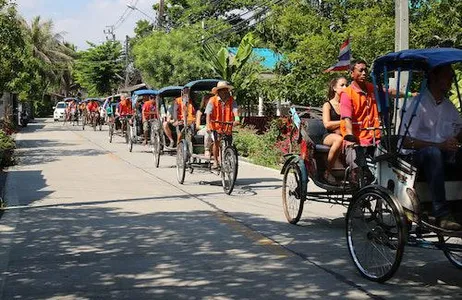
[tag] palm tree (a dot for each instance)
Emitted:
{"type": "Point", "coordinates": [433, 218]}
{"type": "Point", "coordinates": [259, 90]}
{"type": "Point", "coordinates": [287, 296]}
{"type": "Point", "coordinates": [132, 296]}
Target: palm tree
{"type": "Point", "coordinates": [54, 55]}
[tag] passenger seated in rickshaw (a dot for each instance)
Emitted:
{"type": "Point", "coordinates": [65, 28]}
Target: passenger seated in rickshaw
{"type": "Point", "coordinates": [433, 139]}
{"type": "Point", "coordinates": [358, 112]}
{"type": "Point", "coordinates": [148, 113]}
{"type": "Point", "coordinates": [221, 108]}
{"type": "Point", "coordinates": [201, 123]}
{"type": "Point", "coordinates": [331, 120]}
{"type": "Point", "coordinates": [168, 125]}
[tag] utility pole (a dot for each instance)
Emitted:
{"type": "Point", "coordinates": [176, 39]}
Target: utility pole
{"type": "Point", "coordinates": [401, 36]}
{"type": "Point", "coordinates": [127, 77]}
{"type": "Point", "coordinates": [109, 32]}
{"type": "Point", "coordinates": [160, 14]}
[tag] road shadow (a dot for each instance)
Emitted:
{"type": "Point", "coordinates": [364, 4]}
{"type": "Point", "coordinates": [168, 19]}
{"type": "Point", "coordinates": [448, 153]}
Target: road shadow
{"type": "Point", "coordinates": [31, 186]}
{"type": "Point", "coordinates": [100, 252]}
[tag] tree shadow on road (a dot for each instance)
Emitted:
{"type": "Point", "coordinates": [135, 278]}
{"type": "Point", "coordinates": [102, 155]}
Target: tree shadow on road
{"type": "Point", "coordinates": [92, 251]}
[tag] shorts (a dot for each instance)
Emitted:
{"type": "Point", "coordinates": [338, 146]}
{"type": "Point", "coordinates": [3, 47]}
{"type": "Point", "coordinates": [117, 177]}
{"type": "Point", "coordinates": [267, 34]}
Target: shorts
{"type": "Point", "coordinates": [355, 157]}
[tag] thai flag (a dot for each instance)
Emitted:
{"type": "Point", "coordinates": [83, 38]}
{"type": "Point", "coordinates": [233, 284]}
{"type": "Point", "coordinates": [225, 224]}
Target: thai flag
{"type": "Point", "coordinates": [344, 58]}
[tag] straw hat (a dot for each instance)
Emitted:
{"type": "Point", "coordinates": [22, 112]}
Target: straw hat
{"type": "Point", "coordinates": [222, 85]}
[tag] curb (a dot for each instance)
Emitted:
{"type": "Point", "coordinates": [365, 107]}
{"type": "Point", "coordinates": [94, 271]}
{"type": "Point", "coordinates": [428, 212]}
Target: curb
{"type": "Point", "coordinates": [249, 162]}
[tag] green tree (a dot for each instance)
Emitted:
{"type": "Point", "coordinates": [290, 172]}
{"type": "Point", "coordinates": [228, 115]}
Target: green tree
{"type": "Point", "coordinates": [12, 45]}
{"type": "Point", "coordinates": [98, 69]}
{"type": "Point", "coordinates": [173, 58]}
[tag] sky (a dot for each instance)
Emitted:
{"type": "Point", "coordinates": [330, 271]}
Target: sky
{"type": "Point", "coordinates": [85, 20]}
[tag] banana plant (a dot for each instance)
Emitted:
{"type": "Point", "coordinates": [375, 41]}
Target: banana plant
{"type": "Point", "coordinates": [228, 66]}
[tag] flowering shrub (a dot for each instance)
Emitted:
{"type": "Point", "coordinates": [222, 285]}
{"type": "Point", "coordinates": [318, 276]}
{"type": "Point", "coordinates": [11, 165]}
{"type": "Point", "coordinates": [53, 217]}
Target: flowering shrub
{"type": "Point", "coordinates": [268, 148]}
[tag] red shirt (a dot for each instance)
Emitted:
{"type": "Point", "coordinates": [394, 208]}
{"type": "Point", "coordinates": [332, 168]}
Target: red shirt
{"type": "Point", "coordinates": [125, 107]}
{"type": "Point", "coordinates": [92, 106]}
{"type": "Point", "coordinates": [149, 108]}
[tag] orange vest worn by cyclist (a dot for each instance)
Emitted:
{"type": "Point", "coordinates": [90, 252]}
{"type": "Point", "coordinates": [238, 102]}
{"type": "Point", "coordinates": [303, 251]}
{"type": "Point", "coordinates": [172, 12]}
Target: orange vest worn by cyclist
{"type": "Point", "coordinates": [125, 107]}
{"type": "Point", "coordinates": [361, 108]}
{"type": "Point", "coordinates": [179, 111]}
{"type": "Point", "coordinates": [222, 112]}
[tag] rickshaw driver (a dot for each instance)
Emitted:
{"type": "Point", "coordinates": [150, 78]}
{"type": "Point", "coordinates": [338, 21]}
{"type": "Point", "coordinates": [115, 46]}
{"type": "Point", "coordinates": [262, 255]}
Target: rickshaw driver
{"type": "Point", "coordinates": [124, 109]}
{"type": "Point", "coordinates": [180, 111]}
{"type": "Point", "coordinates": [148, 112]}
{"type": "Point", "coordinates": [433, 137]}
{"type": "Point", "coordinates": [92, 107]}
{"type": "Point", "coordinates": [222, 108]}
{"type": "Point", "coordinates": [358, 110]}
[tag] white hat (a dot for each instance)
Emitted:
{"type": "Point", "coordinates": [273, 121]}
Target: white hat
{"type": "Point", "coordinates": [222, 85]}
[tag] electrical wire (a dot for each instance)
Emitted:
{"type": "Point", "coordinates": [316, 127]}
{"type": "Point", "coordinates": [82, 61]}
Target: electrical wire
{"type": "Point", "coordinates": [235, 27]}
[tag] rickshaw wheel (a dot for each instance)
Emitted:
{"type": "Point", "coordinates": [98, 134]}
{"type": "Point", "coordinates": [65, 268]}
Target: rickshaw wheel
{"type": "Point", "coordinates": [229, 169]}
{"type": "Point", "coordinates": [376, 233]}
{"type": "Point", "coordinates": [293, 193]}
{"type": "Point", "coordinates": [130, 139]}
{"type": "Point", "coordinates": [155, 141]}
{"type": "Point", "coordinates": [452, 248]}
{"type": "Point", "coordinates": [111, 132]}
{"type": "Point", "coordinates": [181, 162]}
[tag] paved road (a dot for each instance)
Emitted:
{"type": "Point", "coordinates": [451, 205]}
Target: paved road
{"type": "Point", "coordinates": [89, 220]}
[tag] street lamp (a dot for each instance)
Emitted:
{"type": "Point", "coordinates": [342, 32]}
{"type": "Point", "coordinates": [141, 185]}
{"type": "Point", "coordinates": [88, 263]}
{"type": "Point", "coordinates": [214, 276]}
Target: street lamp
{"type": "Point", "coordinates": [136, 8]}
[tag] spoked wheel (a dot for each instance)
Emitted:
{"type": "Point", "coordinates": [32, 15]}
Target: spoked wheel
{"type": "Point", "coordinates": [111, 132]}
{"type": "Point", "coordinates": [293, 193]}
{"type": "Point", "coordinates": [229, 167]}
{"type": "Point", "coordinates": [83, 123]}
{"type": "Point", "coordinates": [155, 144]}
{"type": "Point", "coordinates": [376, 233]}
{"type": "Point", "coordinates": [126, 134]}
{"type": "Point", "coordinates": [181, 162]}
{"type": "Point", "coordinates": [131, 137]}
{"type": "Point", "coordinates": [100, 124]}
{"type": "Point", "coordinates": [452, 248]}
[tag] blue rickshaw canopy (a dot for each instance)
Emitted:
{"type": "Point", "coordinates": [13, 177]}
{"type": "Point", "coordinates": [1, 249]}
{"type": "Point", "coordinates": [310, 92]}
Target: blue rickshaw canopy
{"type": "Point", "coordinates": [202, 84]}
{"type": "Point", "coordinates": [170, 91]}
{"type": "Point", "coordinates": [417, 59]}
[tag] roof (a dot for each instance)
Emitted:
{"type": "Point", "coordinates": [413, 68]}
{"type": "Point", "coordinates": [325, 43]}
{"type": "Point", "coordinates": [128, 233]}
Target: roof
{"type": "Point", "coordinates": [145, 92]}
{"type": "Point", "coordinates": [202, 84]}
{"type": "Point", "coordinates": [269, 57]}
{"type": "Point", "coordinates": [417, 59]}
{"type": "Point", "coordinates": [170, 91]}
{"type": "Point", "coordinates": [131, 89]}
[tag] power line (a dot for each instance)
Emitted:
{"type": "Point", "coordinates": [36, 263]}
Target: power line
{"type": "Point", "coordinates": [235, 28]}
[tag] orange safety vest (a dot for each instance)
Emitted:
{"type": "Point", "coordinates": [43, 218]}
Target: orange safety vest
{"type": "Point", "coordinates": [364, 114]}
{"type": "Point", "coordinates": [179, 110]}
{"type": "Point", "coordinates": [221, 112]}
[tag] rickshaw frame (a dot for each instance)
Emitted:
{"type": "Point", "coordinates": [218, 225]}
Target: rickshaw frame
{"type": "Point", "coordinates": [158, 141]}
{"type": "Point", "coordinates": [189, 159]}
{"type": "Point", "coordinates": [134, 125]}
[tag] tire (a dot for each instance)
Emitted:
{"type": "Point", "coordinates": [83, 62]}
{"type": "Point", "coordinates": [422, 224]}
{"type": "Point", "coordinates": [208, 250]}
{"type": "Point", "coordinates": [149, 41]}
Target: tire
{"type": "Point", "coordinates": [181, 162]}
{"type": "Point", "coordinates": [126, 134]}
{"type": "Point", "coordinates": [376, 233]}
{"type": "Point", "coordinates": [131, 135]}
{"type": "Point", "coordinates": [229, 169]}
{"type": "Point", "coordinates": [111, 132]}
{"type": "Point", "coordinates": [155, 141]}
{"type": "Point", "coordinates": [452, 249]}
{"type": "Point", "coordinates": [293, 193]}
{"type": "Point", "coordinates": [100, 124]}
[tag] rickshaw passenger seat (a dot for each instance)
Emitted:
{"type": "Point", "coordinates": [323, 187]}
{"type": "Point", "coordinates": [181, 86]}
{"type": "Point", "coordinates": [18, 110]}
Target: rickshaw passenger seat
{"type": "Point", "coordinates": [315, 130]}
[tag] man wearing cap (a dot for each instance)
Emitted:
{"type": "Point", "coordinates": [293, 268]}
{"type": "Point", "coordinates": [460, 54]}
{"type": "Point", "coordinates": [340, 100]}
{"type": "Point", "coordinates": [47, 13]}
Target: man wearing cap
{"type": "Point", "coordinates": [221, 108]}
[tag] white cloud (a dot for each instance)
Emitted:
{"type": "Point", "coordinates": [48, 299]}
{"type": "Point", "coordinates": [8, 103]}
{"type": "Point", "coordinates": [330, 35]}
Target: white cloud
{"type": "Point", "coordinates": [90, 19]}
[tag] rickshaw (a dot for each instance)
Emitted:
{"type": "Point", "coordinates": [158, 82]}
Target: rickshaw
{"type": "Point", "coordinates": [110, 107]}
{"type": "Point", "coordinates": [191, 150]}
{"type": "Point", "coordinates": [95, 117]}
{"type": "Point", "coordinates": [393, 210]}
{"type": "Point", "coordinates": [158, 137]}
{"type": "Point", "coordinates": [135, 130]}
{"type": "Point", "coordinates": [72, 114]}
